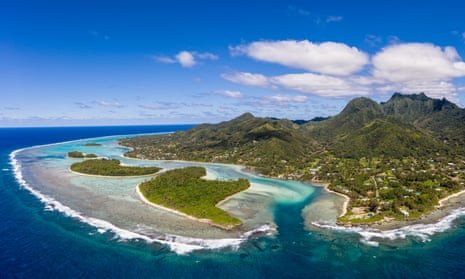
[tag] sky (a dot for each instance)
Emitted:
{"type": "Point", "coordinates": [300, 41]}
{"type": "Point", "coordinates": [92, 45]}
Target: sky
{"type": "Point", "coordinates": [68, 63]}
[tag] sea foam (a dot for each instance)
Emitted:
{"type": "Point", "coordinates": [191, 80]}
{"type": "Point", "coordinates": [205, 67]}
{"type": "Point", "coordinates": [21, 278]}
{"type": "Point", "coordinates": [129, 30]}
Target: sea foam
{"type": "Point", "coordinates": [420, 231]}
{"type": "Point", "coordinates": [177, 244]}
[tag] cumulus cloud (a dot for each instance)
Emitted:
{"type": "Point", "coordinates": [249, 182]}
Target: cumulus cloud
{"type": "Point", "coordinates": [417, 62]}
{"type": "Point", "coordinates": [434, 89]}
{"type": "Point", "coordinates": [231, 94]}
{"type": "Point", "coordinates": [403, 67]}
{"type": "Point", "coordinates": [321, 85]}
{"type": "Point", "coordinates": [419, 67]}
{"type": "Point", "coordinates": [186, 59]}
{"type": "Point", "coordinates": [247, 78]}
{"type": "Point", "coordinates": [326, 58]}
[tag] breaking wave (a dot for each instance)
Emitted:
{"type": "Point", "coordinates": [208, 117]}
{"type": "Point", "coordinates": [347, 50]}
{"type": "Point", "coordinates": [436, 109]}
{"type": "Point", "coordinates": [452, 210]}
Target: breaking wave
{"type": "Point", "coordinates": [422, 232]}
{"type": "Point", "coordinates": [177, 244]}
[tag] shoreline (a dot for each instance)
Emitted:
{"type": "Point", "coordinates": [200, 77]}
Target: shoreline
{"type": "Point", "coordinates": [439, 212]}
{"type": "Point", "coordinates": [251, 170]}
{"type": "Point", "coordinates": [115, 176]}
{"type": "Point", "coordinates": [431, 217]}
{"type": "Point", "coordinates": [432, 223]}
{"type": "Point", "coordinates": [174, 211]}
{"type": "Point", "coordinates": [178, 244]}
{"type": "Point", "coordinates": [237, 166]}
{"type": "Point", "coordinates": [443, 202]}
{"type": "Point", "coordinates": [344, 205]}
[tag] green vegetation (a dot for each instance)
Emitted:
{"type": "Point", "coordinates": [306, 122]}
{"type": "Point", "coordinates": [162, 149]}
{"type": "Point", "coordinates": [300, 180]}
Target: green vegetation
{"type": "Point", "coordinates": [92, 144]}
{"type": "Point", "coordinates": [395, 160]}
{"type": "Point", "coordinates": [112, 167]}
{"type": "Point", "coordinates": [185, 191]}
{"type": "Point", "coordinates": [78, 154]}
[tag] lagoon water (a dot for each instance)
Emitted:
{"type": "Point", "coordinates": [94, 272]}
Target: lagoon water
{"type": "Point", "coordinates": [55, 224]}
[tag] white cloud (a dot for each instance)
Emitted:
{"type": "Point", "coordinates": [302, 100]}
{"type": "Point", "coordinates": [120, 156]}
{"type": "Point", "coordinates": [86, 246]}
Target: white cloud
{"type": "Point", "coordinates": [231, 94]}
{"type": "Point", "coordinates": [434, 89]}
{"type": "Point", "coordinates": [327, 58]}
{"type": "Point", "coordinates": [287, 99]}
{"type": "Point", "coordinates": [417, 62]}
{"type": "Point", "coordinates": [419, 67]}
{"type": "Point", "coordinates": [334, 19]}
{"type": "Point", "coordinates": [186, 59]}
{"type": "Point", "coordinates": [402, 67]}
{"type": "Point", "coordinates": [247, 79]}
{"type": "Point", "coordinates": [321, 85]}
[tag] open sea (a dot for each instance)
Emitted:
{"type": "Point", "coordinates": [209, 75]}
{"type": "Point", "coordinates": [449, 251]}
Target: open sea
{"type": "Point", "coordinates": [37, 242]}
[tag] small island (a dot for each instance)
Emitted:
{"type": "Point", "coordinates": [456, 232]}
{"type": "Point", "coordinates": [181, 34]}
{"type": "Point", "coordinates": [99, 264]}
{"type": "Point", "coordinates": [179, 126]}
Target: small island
{"type": "Point", "coordinates": [92, 144]}
{"type": "Point", "coordinates": [113, 167]}
{"type": "Point", "coordinates": [185, 192]}
{"type": "Point", "coordinates": [78, 154]}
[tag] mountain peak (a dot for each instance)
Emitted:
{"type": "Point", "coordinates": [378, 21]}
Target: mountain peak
{"type": "Point", "coordinates": [246, 115]}
{"type": "Point", "coordinates": [362, 104]}
{"type": "Point", "coordinates": [418, 97]}
{"type": "Point", "coordinates": [415, 102]}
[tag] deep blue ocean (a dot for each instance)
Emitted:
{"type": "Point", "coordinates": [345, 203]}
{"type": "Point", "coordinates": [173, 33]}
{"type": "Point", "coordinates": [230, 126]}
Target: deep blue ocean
{"type": "Point", "coordinates": [35, 243]}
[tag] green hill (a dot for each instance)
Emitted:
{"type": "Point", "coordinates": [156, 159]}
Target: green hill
{"type": "Point", "coordinates": [399, 156]}
{"type": "Point", "coordinates": [185, 190]}
{"type": "Point", "coordinates": [445, 120]}
{"type": "Point", "coordinates": [384, 137]}
{"type": "Point", "coordinates": [254, 141]}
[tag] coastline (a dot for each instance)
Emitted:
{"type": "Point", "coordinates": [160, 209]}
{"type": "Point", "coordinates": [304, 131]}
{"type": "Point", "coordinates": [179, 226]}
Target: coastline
{"type": "Point", "coordinates": [116, 176]}
{"type": "Point", "coordinates": [174, 211]}
{"type": "Point", "coordinates": [176, 243]}
{"type": "Point", "coordinates": [438, 222]}
{"type": "Point", "coordinates": [251, 170]}
{"type": "Point", "coordinates": [441, 211]}
{"type": "Point", "coordinates": [443, 202]}
{"type": "Point", "coordinates": [344, 205]}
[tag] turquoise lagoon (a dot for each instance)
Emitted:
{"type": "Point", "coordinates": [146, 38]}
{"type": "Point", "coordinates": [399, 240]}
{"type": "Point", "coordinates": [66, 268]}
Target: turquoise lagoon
{"type": "Point", "coordinates": [98, 226]}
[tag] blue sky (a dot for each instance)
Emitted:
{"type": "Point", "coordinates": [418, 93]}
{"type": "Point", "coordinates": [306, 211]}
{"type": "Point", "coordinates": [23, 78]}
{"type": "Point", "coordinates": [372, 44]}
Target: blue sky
{"type": "Point", "coordinates": [163, 62]}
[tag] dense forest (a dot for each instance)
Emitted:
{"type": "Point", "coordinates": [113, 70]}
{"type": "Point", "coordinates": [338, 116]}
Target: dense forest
{"type": "Point", "coordinates": [184, 190]}
{"type": "Point", "coordinates": [111, 167]}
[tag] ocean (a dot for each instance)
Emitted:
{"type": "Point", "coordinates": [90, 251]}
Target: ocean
{"type": "Point", "coordinates": [38, 242]}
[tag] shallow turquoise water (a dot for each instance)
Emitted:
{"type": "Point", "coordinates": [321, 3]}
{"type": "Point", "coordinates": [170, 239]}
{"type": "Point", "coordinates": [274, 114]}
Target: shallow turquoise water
{"type": "Point", "coordinates": [39, 243]}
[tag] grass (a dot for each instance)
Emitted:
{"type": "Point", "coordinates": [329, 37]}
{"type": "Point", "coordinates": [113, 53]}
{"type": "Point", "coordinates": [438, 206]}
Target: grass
{"type": "Point", "coordinates": [185, 191]}
{"type": "Point", "coordinates": [112, 167]}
